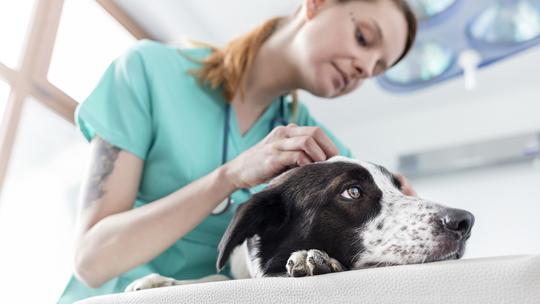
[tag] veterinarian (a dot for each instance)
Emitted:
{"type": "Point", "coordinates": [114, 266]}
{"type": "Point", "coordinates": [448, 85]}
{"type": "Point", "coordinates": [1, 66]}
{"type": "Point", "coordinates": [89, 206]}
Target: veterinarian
{"type": "Point", "coordinates": [179, 138]}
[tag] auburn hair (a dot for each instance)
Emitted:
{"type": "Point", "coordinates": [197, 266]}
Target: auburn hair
{"type": "Point", "coordinates": [225, 67]}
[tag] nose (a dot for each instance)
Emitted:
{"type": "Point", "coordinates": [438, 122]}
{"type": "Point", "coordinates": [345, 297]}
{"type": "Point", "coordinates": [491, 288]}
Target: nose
{"type": "Point", "coordinates": [458, 220]}
{"type": "Point", "coordinates": [362, 71]}
{"type": "Point", "coordinates": [364, 66]}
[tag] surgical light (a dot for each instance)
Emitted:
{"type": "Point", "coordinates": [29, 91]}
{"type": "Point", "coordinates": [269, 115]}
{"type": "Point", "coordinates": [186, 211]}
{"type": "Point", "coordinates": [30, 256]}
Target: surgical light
{"type": "Point", "coordinates": [425, 9]}
{"type": "Point", "coordinates": [507, 22]}
{"type": "Point", "coordinates": [426, 61]}
{"type": "Point", "coordinates": [457, 37]}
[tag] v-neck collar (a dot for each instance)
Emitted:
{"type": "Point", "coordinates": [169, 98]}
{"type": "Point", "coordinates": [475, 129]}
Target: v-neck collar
{"type": "Point", "coordinates": [258, 129]}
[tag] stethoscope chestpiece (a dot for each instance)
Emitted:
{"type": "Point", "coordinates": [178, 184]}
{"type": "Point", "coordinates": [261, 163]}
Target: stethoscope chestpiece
{"type": "Point", "coordinates": [223, 206]}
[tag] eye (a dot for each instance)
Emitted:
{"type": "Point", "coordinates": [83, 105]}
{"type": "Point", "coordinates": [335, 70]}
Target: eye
{"type": "Point", "coordinates": [360, 37]}
{"type": "Point", "coordinates": [351, 193]}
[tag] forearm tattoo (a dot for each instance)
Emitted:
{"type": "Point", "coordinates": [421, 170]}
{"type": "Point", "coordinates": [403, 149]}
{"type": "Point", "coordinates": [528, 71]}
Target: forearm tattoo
{"type": "Point", "coordinates": [103, 159]}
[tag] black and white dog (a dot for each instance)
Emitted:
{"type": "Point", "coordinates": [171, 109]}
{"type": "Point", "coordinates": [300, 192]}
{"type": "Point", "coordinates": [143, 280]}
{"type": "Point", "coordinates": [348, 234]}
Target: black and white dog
{"type": "Point", "coordinates": [332, 216]}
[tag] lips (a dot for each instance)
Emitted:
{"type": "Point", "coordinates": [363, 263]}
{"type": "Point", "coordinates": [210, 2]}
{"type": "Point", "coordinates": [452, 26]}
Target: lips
{"type": "Point", "coordinates": [344, 78]}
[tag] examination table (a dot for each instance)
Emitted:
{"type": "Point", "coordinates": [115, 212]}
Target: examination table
{"type": "Point", "coordinates": [491, 280]}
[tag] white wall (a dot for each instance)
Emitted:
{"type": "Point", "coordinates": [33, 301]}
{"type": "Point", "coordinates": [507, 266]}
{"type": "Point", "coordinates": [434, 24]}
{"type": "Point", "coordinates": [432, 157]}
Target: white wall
{"type": "Point", "coordinates": [505, 200]}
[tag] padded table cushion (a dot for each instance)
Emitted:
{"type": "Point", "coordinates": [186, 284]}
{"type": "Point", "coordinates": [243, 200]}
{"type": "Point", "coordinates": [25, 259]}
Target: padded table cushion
{"type": "Point", "coordinates": [507, 279]}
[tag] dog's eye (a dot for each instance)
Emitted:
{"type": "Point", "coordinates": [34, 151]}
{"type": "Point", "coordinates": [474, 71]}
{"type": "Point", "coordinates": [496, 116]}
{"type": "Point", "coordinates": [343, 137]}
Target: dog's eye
{"type": "Point", "coordinates": [352, 193]}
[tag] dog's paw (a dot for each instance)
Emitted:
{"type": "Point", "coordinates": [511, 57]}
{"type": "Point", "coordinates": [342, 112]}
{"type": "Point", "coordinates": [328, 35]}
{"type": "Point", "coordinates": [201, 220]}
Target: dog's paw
{"type": "Point", "coordinates": [153, 280]}
{"type": "Point", "coordinates": [311, 262]}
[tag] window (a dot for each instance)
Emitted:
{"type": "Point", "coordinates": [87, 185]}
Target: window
{"type": "Point", "coordinates": [14, 21]}
{"type": "Point", "coordinates": [49, 155]}
{"type": "Point", "coordinates": [88, 40]}
{"type": "Point", "coordinates": [37, 206]}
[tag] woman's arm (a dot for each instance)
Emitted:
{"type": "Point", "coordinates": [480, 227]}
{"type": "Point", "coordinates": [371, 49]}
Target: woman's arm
{"type": "Point", "coordinates": [112, 237]}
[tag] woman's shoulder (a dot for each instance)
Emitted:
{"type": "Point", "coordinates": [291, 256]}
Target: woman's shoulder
{"type": "Point", "coordinates": [158, 52]}
{"type": "Point", "coordinates": [158, 60]}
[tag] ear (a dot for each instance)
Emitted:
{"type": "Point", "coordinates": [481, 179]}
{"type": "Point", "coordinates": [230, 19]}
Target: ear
{"type": "Point", "coordinates": [263, 212]}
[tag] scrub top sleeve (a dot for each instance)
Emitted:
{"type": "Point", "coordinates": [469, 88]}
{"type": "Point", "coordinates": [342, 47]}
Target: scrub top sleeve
{"type": "Point", "coordinates": [305, 119]}
{"type": "Point", "coordinates": [119, 108]}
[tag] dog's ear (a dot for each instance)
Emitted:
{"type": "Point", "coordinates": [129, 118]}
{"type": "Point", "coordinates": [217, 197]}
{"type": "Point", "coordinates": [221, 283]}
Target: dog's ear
{"type": "Point", "coordinates": [263, 212]}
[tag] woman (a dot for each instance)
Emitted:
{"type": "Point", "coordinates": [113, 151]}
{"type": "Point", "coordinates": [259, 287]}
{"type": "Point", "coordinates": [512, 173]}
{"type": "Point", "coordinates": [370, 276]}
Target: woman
{"type": "Point", "coordinates": [175, 133]}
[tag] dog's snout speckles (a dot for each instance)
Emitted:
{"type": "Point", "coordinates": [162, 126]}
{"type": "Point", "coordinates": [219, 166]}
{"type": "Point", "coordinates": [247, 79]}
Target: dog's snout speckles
{"type": "Point", "coordinates": [405, 231]}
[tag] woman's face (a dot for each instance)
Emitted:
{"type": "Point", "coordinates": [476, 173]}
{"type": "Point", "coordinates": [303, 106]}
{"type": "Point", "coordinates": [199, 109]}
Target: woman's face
{"type": "Point", "coordinates": [342, 44]}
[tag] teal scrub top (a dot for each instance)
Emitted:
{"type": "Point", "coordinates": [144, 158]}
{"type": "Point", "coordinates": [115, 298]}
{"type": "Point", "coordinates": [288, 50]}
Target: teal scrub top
{"type": "Point", "coordinates": [147, 103]}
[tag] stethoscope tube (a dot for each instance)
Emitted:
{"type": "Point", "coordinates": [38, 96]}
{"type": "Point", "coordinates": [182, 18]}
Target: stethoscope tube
{"type": "Point", "coordinates": [226, 203]}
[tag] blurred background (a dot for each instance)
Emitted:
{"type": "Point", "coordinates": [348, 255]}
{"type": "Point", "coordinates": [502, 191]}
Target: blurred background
{"type": "Point", "coordinates": [460, 116]}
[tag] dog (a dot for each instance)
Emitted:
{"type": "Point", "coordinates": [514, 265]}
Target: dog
{"type": "Point", "coordinates": [331, 216]}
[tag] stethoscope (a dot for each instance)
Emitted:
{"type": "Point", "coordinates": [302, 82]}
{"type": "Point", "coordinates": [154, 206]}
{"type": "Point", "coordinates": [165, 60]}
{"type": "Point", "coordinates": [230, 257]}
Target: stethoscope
{"type": "Point", "coordinates": [277, 121]}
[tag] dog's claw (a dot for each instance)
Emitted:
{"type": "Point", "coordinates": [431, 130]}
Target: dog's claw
{"type": "Point", "coordinates": [311, 262]}
{"type": "Point", "coordinates": [153, 280]}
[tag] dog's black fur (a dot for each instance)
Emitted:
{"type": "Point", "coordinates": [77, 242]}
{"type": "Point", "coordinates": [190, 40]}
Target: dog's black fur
{"type": "Point", "coordinates": [305, 209]}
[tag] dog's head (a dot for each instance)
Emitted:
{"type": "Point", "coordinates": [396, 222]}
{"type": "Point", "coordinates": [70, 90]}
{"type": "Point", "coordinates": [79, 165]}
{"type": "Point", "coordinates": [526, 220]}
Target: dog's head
{"type": "Point", "coordinates": [351, 209]}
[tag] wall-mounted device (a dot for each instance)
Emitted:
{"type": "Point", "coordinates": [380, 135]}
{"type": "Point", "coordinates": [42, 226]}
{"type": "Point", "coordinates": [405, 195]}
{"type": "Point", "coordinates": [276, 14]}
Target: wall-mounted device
{"type": "Point", "coordinates": [514, 149]}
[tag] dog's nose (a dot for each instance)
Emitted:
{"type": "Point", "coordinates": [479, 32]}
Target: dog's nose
{"type": "Point", "coordinates": [458, 220]}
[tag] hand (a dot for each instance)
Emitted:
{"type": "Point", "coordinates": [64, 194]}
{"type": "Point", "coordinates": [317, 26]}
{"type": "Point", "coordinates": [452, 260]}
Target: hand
{"type": "Point", "coordinates": [406, 187]}
{"type": "Point", "coordinates": [285, 147]}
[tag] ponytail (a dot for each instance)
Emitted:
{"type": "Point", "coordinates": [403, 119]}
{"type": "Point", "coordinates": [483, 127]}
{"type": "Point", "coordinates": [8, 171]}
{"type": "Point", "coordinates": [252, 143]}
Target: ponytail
{"type": "Point", "coordinates": [226, 67]}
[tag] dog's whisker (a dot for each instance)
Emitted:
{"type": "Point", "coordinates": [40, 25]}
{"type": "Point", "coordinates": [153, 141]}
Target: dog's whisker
{"type": "Point", "coordinates": [356, 257]}
{"type": "Point", "coordinates": [379, 264]}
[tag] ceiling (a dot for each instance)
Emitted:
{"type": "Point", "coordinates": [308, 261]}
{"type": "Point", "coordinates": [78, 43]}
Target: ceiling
{"type": "Point", "coordinates": [216, 22]}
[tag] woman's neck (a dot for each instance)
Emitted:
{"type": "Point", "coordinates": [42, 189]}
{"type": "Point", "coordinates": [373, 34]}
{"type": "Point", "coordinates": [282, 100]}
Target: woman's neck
{"type": "Point", "coordinates": [271, 74]}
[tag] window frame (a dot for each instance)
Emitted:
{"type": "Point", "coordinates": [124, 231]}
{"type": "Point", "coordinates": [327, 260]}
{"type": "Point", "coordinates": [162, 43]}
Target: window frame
{"type": "Point", "coordinates": [29, 77]}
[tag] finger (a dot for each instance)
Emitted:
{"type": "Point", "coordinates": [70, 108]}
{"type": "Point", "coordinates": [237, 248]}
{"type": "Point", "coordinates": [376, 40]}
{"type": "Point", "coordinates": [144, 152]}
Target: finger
{"type": "Point", "coordinates": [326, 144]}
{"type": "Point", "coordinates": [406, 187]}
{"type": "Point", "coordinates": [279, 132]}
{"type": "Point", "coordinates": [292, 125]}
{"type": "Point", "coordinates": [304, 143]}
{"type": "Point", "coordinates": [407, 190]}
{"type": "Point", "coordinates": [293, 159]}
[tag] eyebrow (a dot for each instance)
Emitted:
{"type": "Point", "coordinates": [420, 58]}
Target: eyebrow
{"type": "Point", "coordinates": [381, 38]}
{"type": "Point", "coordinates": [377, 28]}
